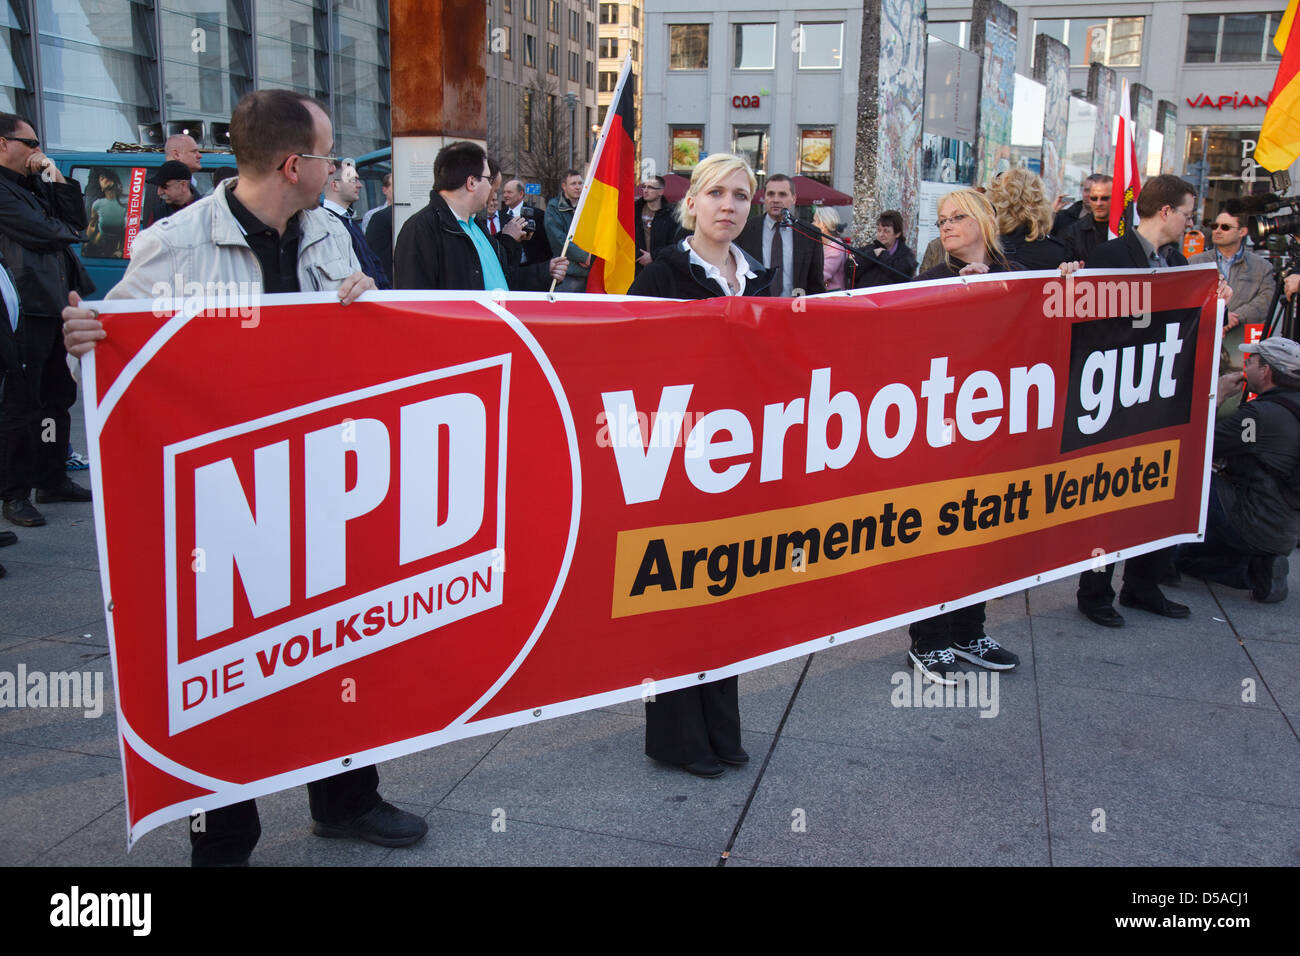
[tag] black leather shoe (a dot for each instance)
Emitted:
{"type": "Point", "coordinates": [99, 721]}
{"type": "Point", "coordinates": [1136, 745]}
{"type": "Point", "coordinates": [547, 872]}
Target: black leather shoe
{"type": "Point", "coordinates": [20, 511]}
{"type": "Point", "coordinates": [1106, 616]}
{"type": "Point", "coordinates": [1156, 603]}
{"type": "Point", "coordinates": [738, 759]}
{"type": "Point", "coordinates": [7, 538]}
{"type": "Point", "coordinates": [66, 490]}
{"type": "Point", "coordinates": [385, 825]}
{"type": "Point", "coordinates": [3, 572]}
{"type": "Point", "coordinates": [1268, 578]}
{"type": "Point", "coordinates": [704, 768]}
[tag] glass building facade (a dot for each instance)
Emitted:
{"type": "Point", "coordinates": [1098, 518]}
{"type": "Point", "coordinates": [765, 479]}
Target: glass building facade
{"type": "Point", "coordinates": [91, 72]}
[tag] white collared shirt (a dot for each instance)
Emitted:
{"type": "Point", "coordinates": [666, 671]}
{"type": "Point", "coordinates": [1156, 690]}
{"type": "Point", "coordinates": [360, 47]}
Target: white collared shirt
{"type": "Point", "coordinates": [337, 209]}
{"type": "Point", "coordinates": [743, 271]}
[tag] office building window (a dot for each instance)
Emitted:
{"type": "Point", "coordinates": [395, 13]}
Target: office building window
{"type": "Point", "coordinates": [608, 46]}
{"type": "Point", "coordinates": [575, 65]}
{"type": "Point", "coordinates": [1113, 41]}
{"type": "Point", "coordinates": [591, 35]}
{"type": "Point", "coordinates": [755, 46]}
{"type": "Point", "coordinates": [575, 24]}
{"type": "Point", "coordinates": [608, 80]}
{"type": "Point", "coordinates": [530, 50]}
{"type": "Point", "coordinates": [1232, 37]}
{"type": "Point", "coordinates": [505, 6]}
{"type": "Point", "coordinates": [635, 49]}
{"type": "Point", "coordinates": [526, 127]}
{"type": "Point", "coordinates": [609, 13]}
{"type": "Point", "coordinates": [591, 74]}
{"type": "Point", "coordinates": [821, 46]}
{"type": "Point", "coordinates": [636, 15]}
{"type": "Point", "coordinates": [553, 59]}
{"type": "Point", "coordinates": [503, 41]}
{"type": "Point", "coordinates": [688, 46]}
{"type": "Point", "coordinates": [530, 10]}
{"type": "Point", "coordinates": [553, 15]}
{"type": "Point", "coordinates": [685, 144]}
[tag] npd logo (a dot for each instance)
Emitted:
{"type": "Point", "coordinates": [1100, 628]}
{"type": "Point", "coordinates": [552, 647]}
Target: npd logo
{"type": "Point", "coordinates": [322, 534]}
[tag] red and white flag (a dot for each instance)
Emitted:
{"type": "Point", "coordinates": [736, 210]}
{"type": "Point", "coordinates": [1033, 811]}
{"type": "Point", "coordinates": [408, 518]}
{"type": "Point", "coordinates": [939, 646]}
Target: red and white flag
{"type": "Point", "coordinates": [1127, 186]}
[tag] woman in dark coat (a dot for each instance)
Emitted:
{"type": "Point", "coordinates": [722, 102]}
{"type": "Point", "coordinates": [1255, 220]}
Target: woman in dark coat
{"type": "Point", "coordinates": [891, 250]}
{"type": "Point", "coordinates": [968, 231]}
{"type": "Point", "coordinates": [1025, 220]}
{"type": "Point", "coordinates": [698, 728]}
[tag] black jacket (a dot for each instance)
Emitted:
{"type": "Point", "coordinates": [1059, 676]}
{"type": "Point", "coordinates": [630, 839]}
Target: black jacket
{"type": "Point", "coordinates": [40, 222]}
{"type": "Point", "coordinates": [672, 276]}
{"type": "Point", "coordinates": [1126, 252]}
{"type": "Point", "coordinates": [808, 261]}
{"type": "Point", "coordinates": [945, 271]}
{"type": "Point", "coordinates": [1252, 484]}
{"type": "Point", "coordinates": [536, 248]}
{"type": "Point", "coordinates": [1043, 253]}
{"type": "Point", "coordinates": [662, 228]}
{"type": "Point", "coordinates": [903, 259]}
{"type": "Point", "coordinates": [379, 237]}
{"type": "Point", "coordinates": [434, 252]}
{"type": "Point", "coordinates": [1083, 237]}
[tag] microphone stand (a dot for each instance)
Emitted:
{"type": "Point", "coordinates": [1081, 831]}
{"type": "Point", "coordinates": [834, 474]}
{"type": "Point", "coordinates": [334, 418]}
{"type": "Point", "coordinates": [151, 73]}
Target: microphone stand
{"type": "Point", "coordinates": [812, 232]}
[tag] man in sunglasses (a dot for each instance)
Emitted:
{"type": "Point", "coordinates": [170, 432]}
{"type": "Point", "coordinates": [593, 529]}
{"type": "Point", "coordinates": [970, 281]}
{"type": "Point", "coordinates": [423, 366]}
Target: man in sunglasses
{"type": "Point", "coordinates": [1250, 276]}
{"type": "Point", "coordinates": [42, 216]}
{"type": "Point", "coordinates": [1094, 228]}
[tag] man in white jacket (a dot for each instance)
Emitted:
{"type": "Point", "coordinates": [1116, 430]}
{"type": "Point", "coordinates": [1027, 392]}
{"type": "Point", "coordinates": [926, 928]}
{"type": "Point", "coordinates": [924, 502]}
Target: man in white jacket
{"type": "Point", "coordinates": [263, 228]}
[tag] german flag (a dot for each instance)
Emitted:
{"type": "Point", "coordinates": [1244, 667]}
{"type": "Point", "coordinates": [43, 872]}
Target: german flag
{"type": "Point", "coordinates": [604, 222]}
{"type": "Point", "coordinates": [1127, 183]}
{"type": "Point", "coordinates": [1279, 137]}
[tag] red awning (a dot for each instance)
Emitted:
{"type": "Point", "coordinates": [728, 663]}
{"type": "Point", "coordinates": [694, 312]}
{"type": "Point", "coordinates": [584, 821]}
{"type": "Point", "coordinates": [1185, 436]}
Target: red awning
{"type": "Point", "coordinates": [675, 187]}
{"type": "Point", "coordinates": [810, 192]}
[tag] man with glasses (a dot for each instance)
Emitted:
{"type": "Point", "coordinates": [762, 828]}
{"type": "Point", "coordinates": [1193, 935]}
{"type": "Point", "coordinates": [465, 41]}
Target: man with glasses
{"type": "Point", "coordinates": [655, 222]}
{"type": "Point", "coordinates": [1165, 206]}
{"type": "Point", "coordinates": [42, 216]}
{"type": "Point", "coordinates": [266, 229]}
{"type": "Point", "coordinates": [1250, 276]}
{"type": "Point", "coordinates": [443, 247]}
{"type": "Point", "coordinates": [1093, 229]}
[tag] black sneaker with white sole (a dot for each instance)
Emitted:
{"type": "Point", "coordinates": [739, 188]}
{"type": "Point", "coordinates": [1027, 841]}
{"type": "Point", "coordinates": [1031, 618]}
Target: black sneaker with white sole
{"type": "Point", "coordinates": [986, 653]}
{"type": "Point", "coordinates": [937, 666]}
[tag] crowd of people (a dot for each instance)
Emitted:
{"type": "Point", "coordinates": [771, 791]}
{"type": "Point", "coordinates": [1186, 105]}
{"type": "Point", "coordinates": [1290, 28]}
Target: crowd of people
{"type": "Point", "coordinates": [479, 233]}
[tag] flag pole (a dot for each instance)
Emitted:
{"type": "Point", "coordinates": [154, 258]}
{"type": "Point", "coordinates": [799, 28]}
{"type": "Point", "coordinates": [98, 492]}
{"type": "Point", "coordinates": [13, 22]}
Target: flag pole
{"type": "Point", "coordinates": [595, 156]}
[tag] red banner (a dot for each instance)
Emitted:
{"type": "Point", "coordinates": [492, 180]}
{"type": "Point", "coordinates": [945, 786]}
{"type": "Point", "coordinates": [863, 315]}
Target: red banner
{"type": "Point", "coordinates": [334, 535]}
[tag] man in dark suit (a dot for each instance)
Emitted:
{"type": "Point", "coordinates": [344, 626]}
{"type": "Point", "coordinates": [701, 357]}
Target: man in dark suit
{"type": "Point", "coordinates": [1166, 205]}
{"type": "Point", "coordinates": [796, 260]}
{"type": "Point", "coordinates": [514, 205]}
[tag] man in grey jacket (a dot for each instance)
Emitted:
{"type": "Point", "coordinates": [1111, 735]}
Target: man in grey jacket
{"type": "Point", "coordinates": [559, 218]}
{"type": "Point", "coordinates": [263, 227]}
{"type": "Point", "coordinates": [1250, 276]}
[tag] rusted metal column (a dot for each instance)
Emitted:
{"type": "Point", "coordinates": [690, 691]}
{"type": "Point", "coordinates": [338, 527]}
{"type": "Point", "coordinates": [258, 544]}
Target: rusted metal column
{"type": "Point", "coordinates": [439, 84]}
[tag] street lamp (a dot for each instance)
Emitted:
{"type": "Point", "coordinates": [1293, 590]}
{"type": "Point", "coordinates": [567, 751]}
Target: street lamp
{"type": "Point", "coordinates": [572, 99]}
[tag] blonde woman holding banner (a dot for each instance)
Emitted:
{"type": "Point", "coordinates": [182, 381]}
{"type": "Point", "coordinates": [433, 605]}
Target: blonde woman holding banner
{"type": "Point", "coordinates": [698, 728]}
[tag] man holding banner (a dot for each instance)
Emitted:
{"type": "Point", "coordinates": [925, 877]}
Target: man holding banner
{"type": "Point", "coordinates": [269, 224]}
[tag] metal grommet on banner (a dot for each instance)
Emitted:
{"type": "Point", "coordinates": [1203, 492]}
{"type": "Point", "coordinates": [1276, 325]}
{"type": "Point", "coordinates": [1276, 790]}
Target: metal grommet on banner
{"type": "Point", "coordinates": [701, 677]}
{"type": "Point", "coordinates": [550, 297]}
{"type": "Point", "coordinates": [942, 606]}
{"type": "Point", "coordinates": [110, 606]}
{"type": "Point", "coordinates": [831, 639]}
{"type": "Point", "coordinates": [537, 712]}
{"type": "Point", "coordinates": [347, 761]}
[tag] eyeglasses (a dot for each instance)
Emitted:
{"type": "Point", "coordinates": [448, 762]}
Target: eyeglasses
{"type": "Point", "coordinates": [1224, 225]}
{"type": "Point", "coordinates": [951, 220]}
{"type": "Point", "coordinates": [29, 143]}
{"type": "Point", "coordinates": [332, 160]}
{"type": "Point", "coordinates": [651, 186]}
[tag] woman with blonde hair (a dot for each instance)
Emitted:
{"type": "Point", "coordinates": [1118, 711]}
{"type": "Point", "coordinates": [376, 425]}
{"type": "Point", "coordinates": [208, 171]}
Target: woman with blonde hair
{"type": "Point", "coordinates": [708, 262]}
{"type": "Point", "coordinates": [1024, 220]}
{"type": "Point", "coordinates": [968, 231]}
{"type": "Point", "coordinates": [833, 254]}
{"type": "Point", "coordinates": [698, 728]}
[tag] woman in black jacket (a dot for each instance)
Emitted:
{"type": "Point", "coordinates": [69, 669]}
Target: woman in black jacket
{"type": "Point", "coordinates": [698, 728]}
{"type": "Point", "coordinates": [968, 231]}
{"type": "Point", "coordinates": [1025, 220]}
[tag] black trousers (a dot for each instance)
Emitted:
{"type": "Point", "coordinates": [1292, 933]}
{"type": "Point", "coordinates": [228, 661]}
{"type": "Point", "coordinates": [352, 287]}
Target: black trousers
{"type": "Point", "coordinates": [35, 424]}
{"type": "Point", "coordinates": [230, 833]}
{"type": "Point", "coordinates": [966, 624]}
{"type": "Point", "coordinates": [1141, 576]}
{"type": "Point", "coordinates": [695, 723]}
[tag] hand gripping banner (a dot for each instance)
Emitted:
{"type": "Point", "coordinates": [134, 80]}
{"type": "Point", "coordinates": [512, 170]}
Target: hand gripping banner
{"type": "Point", "coordinates": [332, 535]}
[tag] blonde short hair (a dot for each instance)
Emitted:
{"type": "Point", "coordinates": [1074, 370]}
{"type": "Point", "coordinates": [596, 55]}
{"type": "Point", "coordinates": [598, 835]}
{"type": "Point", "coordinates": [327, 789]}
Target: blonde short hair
{"type": "Point", "coordinates": [826, 219]}
{"type": "Point", "coordinates": [708, 173]}
{"type": "Point", "coordinates": [1020, 200]}
{"type": "Point", "coordinates": [974, 204]}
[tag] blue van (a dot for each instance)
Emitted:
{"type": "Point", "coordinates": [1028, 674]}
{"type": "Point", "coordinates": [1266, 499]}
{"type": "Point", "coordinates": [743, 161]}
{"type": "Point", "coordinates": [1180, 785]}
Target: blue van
{"type": "Point", "coordinates": [110, 176]}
